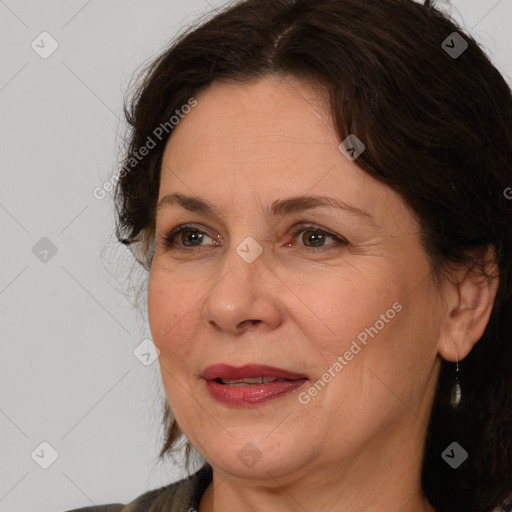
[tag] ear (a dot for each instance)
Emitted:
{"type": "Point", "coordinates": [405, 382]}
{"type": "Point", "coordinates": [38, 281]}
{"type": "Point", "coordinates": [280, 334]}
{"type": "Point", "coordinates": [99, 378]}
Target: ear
{"type": "Point", "coordinates": [469, 300]}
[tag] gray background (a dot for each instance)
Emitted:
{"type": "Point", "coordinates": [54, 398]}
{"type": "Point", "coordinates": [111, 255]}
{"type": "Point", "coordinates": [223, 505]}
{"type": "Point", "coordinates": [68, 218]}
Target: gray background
{"type": "Point", "coordinates": [69, 375]}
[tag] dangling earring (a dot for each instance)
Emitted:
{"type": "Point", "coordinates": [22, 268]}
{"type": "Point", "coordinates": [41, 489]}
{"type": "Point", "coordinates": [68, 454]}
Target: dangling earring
{"type": "Point", "coordinates": [456, 391]}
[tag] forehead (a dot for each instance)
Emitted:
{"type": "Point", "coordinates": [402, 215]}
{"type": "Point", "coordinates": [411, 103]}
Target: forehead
{"type": "Point", "coordinates": [267, 113]}
{"type": "Point", "coordinates": [270, 138]}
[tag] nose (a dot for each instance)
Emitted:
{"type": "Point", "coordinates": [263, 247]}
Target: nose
{"type": "Point", "coordinates": [244, 297]}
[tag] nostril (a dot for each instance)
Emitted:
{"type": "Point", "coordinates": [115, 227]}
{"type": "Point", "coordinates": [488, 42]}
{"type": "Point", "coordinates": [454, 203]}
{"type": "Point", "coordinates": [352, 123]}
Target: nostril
{"type": "Point", "coordinates": [248, 322]}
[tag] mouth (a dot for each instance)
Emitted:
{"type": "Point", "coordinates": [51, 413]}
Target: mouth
{"type": "Point", "coordinates": [252, 373]}
{"type": "Point", "coordinates": [250, 385]}
{"type": "Point", "coordinates": [251, 381]}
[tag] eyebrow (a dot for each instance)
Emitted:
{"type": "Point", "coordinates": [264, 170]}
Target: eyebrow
{"type": "Point", "coordinates": [279, 208]}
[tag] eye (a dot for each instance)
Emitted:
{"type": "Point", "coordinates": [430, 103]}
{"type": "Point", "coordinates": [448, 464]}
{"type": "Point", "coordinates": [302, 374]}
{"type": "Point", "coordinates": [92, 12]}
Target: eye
{"type": "Point", "coordinates": [189, 237]}
{"type": "Point", "coordinates": [314, 237]}
{"type": "Point", "coordinates": [186, 237]}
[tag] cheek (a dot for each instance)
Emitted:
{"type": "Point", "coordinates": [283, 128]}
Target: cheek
{"type": "Point", "coordinates": [170, 298]}
{"type": "Point", "coordinates": [396, 356]}
{"type": "Point", "coordinates": [334, 309]}
{"type": "Point", "coordinates": [171, 320]}
{"type": "Point", "coordinates": [171, 313]}
{"type": "Point", "coordinates": [371, 319]}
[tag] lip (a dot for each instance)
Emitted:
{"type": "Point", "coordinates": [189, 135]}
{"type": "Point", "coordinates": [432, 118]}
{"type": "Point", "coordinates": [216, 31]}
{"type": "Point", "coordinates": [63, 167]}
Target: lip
{"type": "Point", "coordinates": [226, 371]}
{"type": "Point", "coordinates": [251, 395]}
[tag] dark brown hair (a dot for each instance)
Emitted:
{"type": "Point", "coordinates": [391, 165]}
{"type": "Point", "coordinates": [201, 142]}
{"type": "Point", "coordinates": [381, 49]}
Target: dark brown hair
{"type": "Point", "coordinates": [437, 129]}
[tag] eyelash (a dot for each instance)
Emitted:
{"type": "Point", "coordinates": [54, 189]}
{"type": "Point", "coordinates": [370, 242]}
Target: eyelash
{"type": "Point", "coordinates": [171, 245]}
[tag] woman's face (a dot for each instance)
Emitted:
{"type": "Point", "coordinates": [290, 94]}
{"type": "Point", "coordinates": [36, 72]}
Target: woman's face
{"type": "Point", "coordinates": [346, 302]}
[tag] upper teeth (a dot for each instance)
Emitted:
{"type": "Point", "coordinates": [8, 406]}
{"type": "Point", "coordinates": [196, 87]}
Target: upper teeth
{"type": "Point", "coordinates": [251, 380]}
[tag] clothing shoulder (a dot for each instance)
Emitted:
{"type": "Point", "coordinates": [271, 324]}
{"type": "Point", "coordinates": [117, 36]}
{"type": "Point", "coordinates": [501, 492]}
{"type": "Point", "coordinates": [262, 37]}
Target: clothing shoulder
{"type": "Point", "coordinates": [176, 497]}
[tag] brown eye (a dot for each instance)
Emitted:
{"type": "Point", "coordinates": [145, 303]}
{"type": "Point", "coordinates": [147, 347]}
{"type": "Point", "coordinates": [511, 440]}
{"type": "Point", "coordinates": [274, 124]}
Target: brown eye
{"type": "Point", "coordinates": [315, 238]}
{"type": "Point", "coordinates": [186, 236]}
{"type": "Point", "coordinates": [189, 237]}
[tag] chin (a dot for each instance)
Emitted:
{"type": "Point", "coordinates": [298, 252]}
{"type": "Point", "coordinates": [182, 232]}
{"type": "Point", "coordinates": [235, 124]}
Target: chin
{"type": "Point", "coordinates": [263, 459]}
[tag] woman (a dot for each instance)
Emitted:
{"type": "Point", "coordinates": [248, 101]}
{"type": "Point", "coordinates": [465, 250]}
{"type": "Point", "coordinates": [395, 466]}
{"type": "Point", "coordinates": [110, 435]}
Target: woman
{"type": "Point", "coordinates": [320, 191]}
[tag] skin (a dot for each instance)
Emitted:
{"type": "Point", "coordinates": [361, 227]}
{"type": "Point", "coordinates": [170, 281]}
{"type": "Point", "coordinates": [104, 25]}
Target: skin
{"type": "Point", "coordinates": [357, 444]}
